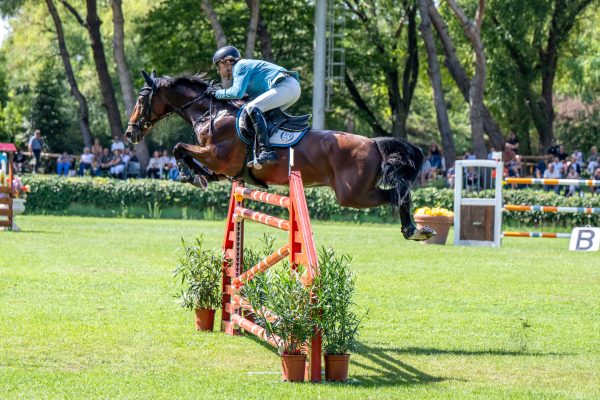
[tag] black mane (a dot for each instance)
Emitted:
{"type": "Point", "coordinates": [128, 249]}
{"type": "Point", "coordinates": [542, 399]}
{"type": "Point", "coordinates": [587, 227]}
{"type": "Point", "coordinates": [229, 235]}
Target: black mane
{"type": "Point", "coordinates": [197, 78]}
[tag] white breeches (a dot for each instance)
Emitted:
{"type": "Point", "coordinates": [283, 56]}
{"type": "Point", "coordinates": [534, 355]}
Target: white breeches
{"type": "Point", "coordinates": [282, 95]}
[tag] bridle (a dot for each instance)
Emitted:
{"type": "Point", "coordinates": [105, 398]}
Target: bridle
{"type": "Point", "coordinates": [147, 93]}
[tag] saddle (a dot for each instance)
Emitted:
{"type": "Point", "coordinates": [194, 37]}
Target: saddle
{"type": "Point", "coordinates": [285, 130]}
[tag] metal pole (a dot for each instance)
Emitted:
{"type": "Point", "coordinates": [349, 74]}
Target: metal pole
{"type": "Point", "coordinates": [319, 65]}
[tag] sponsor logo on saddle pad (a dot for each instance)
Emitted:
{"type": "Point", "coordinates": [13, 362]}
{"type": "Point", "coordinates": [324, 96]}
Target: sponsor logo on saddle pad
{"type": "Point", "coordinates": [283, 137]}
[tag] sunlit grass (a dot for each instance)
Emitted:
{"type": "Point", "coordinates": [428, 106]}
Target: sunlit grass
{"type": "Point", "coordinates": [86, 311]}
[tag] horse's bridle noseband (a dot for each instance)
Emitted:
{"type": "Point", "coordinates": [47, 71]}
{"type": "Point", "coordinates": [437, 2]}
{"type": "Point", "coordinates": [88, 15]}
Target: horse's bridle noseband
{"type": "Point", "coordinates": [147, 92]}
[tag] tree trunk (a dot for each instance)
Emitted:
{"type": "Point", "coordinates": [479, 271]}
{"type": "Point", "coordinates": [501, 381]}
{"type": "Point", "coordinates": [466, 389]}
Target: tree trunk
{"type": "Point", "coordinates": [253, 6]}
{"type": "Point", "coordinates": [266, 47]}
{"type": "Point", "coordinates": [459, 76]}
{"type": "Point", "coordinates": [436, 82]}
{"type": "Point", "coordinates": [92, 24]}
{"type": "Point", "coordinates": [84, 123]}
{"type": "Point", "coordinates": [141, 149]}
{"type": "Point", "coordinates": [210, 13]}
{"type": "Point", "coordinates": [473, 32]}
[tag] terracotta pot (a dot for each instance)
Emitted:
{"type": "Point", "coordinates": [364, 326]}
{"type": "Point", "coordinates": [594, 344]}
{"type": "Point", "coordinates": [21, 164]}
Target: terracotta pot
{"type": "Point", "coordinates": [293, 367]}
{"type": "Point", "coordinates": [205, 319]}
{"type": "Point", "coordinates": [336, 367]}
{"type": "Point", "coordinates": [441, 224]}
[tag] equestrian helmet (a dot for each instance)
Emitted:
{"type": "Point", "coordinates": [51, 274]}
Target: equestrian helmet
{"type": "Point", "coordinates": [226, 51]}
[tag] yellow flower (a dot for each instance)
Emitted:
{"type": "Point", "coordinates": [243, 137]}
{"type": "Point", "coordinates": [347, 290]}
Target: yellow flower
{"type": "Point", "coordinates": [435, 211]}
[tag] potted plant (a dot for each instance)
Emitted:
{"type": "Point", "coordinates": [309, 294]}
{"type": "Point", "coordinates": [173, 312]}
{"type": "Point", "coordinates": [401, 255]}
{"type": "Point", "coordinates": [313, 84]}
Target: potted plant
{"type": "Point", "coordinates": [439, 219]}
{"type": "Point", "coordinates": [334, 289]}
{"type": "Point", "coordinates": [200, 272]}
{"type": "Point", "coordinates": [19, 195]}
{"type": "Point", "coordinates": [284, 307]}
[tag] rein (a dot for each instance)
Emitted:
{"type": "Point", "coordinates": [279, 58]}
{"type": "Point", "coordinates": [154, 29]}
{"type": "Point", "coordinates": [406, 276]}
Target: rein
{"type": "Point", "coordinates": [148, 123]}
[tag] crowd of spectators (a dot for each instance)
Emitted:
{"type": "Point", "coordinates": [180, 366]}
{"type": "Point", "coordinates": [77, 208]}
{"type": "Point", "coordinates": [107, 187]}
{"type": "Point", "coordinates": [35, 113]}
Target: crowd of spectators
{"type": "Point", "coordinates": [116, 161]}
{"type": "Point", "coordinates": [556, 164]}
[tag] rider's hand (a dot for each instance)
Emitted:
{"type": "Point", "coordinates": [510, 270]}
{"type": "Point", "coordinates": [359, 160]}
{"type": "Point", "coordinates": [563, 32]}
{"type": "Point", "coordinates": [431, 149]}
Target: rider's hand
{"type": "Point", "coordinates": [210, 91]}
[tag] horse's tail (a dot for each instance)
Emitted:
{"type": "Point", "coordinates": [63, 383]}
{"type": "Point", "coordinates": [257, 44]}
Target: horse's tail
{"type": "Point", "coordinates": [399, 169]}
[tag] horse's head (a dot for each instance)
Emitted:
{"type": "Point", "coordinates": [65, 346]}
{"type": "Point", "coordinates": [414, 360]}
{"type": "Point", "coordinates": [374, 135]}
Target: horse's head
{"type": "Point", "coordinates": [146, 111]}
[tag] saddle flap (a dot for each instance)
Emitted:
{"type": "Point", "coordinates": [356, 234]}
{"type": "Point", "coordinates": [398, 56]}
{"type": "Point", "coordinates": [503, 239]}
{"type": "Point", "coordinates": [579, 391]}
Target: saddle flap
{"type": "Point", "coordinates": [284, 130]}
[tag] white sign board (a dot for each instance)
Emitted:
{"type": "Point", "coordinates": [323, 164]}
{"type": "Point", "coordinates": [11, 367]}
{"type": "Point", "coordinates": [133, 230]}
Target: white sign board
{"type": "Point", "coordinates": [585, 239]}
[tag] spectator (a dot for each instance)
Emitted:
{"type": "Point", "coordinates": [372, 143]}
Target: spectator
{"type": "Point", "coordinates": [557, 165]}
{"type": "Point", "coordinates": [541, 167]}
{"type": "Point", "coordinates": [35, 146]}
{"type": "Point", "coordinates": [551, 173]}
{"type": "Point", "coordinates": [174, 171]}
{"type": "Point", "coordinates": [126, 156]}
{"type": "Point", "coordinates": [117, 166]}
{"type": "Point", "coordinates": [596, 176]}
{"type": "Point", "coordinates": [577, 157]}
{"type": "Point", "coordinates": [571, 174]}
{"type": "Point", "coordinates": [450, 177]}
{"type": "Point", "coordinates": [96, 150]}
{"type": "Point", "coordinates": [562, 153]}
{"type": "Point", "coordinates": [117, 144]}
{"type": "Point", "coordinates": [593, 160]}
{"type": "Point", "coordinates": [553, 149]}
{"type": "Point", "coordinates": [154, 166]}
{"type": "Point", "coordinates": [104, 163]}
{"type": "Point", "coordinates": [64, 164]}
{"type": "Point", "coordinates": [86, 161]}
{"type": "Point", "coordinates": [512, 143]}
{"type": "Point", "coordinates": [469, 156]}
{"type": "Point", "coordinates": [165, 164]}
{"type": "Point", "coordinates": [19, 162]}
{"type": "Point", "coordinates": [435, 156]}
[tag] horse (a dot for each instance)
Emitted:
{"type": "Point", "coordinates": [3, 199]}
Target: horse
{"type": "Point", "coordinates": [363, 172]}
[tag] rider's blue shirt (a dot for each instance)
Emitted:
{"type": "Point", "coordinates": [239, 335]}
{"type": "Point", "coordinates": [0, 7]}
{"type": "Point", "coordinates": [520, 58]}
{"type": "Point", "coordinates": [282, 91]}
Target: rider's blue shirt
{"type": "Point", "coordinates": [252, 77]}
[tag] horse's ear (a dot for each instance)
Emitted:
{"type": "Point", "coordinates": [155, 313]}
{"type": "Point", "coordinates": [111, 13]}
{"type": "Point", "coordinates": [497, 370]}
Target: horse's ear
{"type": "Point", "coordinates": [153, 75]}
{"type": "Point", "coordinates": [148, 79]}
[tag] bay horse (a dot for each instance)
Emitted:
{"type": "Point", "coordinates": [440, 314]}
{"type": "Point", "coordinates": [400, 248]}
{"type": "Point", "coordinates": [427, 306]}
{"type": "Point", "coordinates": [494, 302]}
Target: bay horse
{"type": "Point", "coordinates": [362, 172]}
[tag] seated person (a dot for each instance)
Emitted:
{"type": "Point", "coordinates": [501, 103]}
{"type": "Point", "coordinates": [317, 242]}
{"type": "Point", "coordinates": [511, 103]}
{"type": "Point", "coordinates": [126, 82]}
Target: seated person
{"type": "Point", "coordinates": [596, 177]}
{"type": "Point", "coordinates": [86, 161]}
{"type": "Point", "coordinates": [166, 164]}
{"type": "Point", "coordinates": [551, 173]}
{"type": "Point", "coordinates": [117, 166]}
{"type": "Point", "coordinates": [19, 162]}
{"type": "Point", "coordinates": [435, 156]}
{"type": "Point", "coordinates": [64, 164]}
{"type": "Point", "coordinates": [571, 174]}
{"type": "Point", "coordinates": [174, 171]}
{"type": "Point", "coordinates": [154, 166]}
{"type": "Point", "coordinates": [104, 164]}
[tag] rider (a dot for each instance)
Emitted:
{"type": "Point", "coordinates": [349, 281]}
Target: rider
{"type": "Point", "coordinates": [268, 85]}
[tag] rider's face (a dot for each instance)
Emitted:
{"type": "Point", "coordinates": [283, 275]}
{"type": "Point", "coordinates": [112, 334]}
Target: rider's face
{"type": "Point", "coordinates": [224, 69]}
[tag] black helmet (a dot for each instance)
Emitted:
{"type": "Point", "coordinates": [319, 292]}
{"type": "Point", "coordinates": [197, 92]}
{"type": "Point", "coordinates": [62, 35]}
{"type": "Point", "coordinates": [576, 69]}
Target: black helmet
{"type": "Point", "coordinates": [226, 51]}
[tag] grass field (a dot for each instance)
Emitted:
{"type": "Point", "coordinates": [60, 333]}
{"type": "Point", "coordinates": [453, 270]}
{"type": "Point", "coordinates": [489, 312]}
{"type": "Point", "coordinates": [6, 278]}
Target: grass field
{"type": "Point", "coordinates": [86, 311]}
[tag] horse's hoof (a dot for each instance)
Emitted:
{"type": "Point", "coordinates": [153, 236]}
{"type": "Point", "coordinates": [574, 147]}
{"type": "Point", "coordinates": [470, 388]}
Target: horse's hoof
{"type": "Point", "coordinates": [412, 233]}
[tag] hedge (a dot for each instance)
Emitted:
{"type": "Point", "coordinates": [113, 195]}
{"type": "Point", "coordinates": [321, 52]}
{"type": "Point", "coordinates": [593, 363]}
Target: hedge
{"type": "Point", "coordinates": [54, 195]}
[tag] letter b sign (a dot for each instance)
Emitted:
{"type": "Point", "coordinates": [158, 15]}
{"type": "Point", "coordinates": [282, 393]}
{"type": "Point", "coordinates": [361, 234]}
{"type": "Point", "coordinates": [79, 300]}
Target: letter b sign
{"type": "Point", "coordinates": [585, 239]}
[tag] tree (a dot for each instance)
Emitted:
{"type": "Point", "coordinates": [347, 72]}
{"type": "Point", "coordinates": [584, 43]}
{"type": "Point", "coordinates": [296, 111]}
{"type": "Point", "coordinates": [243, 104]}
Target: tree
{"type": "Point", "coordinates": [472, 29]}
{"type": "Point", "coordinates": [47, 114]}
{"type": "Point", "coordinates": [253, 6]}
{"type": "Point", "coordinates": [381, 27]}
{"type": "Point", "coordinates": [460, 77]}
{"type": "Point", "coordinates": [141, 149]}
{"type": "Point", "coordinates": [84, 123]}
{"type": "Point", "coordinates": [210, 13]}
{"type": "Point", "coordinates": [436, 83]}
{"type": "Point", "coordinates": [532, 34]}
{"type": "Point", "coordinates": [92, 25]}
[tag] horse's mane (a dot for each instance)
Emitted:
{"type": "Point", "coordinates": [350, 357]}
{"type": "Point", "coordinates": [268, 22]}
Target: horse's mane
{"type": "Point", "coordinates": [197, 79]}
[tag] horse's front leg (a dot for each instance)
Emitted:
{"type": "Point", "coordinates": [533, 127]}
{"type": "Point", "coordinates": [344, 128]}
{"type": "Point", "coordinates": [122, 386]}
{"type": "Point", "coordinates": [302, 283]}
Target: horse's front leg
{"type": "Point", "coordinates": [191, 171]}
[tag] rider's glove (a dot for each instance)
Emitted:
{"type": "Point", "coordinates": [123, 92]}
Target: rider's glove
{"type": "Point", "coordinates": [210, 91]}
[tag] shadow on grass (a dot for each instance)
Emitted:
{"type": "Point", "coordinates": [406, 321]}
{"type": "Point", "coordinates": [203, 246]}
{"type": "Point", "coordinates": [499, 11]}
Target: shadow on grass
{"type": "Point", "coordinates": [457, 352]}
{"type": "Point", "coordinates": [386, 369]}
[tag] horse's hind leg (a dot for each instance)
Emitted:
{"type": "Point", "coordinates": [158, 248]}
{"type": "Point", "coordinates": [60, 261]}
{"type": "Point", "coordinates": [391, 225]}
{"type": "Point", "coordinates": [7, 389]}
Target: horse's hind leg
{"type": "Point", "coordinates": [409, 230]}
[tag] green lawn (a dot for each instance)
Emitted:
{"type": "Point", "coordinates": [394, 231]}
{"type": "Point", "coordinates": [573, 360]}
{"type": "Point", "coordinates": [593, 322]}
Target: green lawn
{"type": "Point", "coordinates": [86, 311]}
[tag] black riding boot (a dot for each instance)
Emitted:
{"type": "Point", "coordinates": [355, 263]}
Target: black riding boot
{"type": "Point", "coordinates": [265, 155]}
